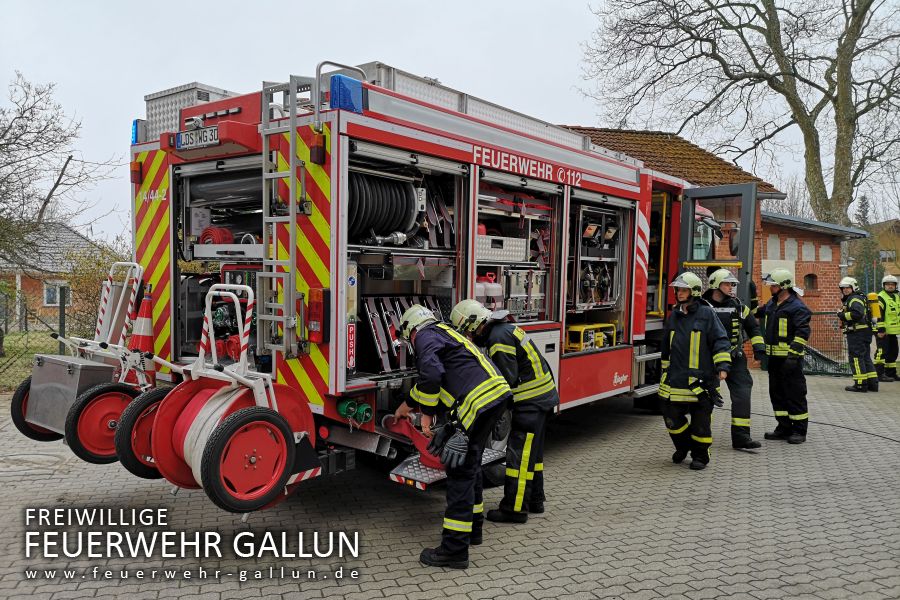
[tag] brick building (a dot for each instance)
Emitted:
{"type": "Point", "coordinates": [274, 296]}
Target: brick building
{"type": "Point", "coordinates": [29, 293]}
{"type": "Point", "coordinates": [810, 249]}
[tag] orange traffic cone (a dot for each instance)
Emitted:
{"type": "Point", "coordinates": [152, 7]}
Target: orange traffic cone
{"type": "Point", "coordinates": [142, 335]}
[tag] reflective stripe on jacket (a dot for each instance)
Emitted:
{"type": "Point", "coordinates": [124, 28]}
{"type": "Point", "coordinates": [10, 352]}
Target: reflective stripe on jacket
{"type": "Point", "coordinates": [454, 372]}
{"type": "Point", "coordinates": [786, 326]}
{"type": "Point", "coordinates": [890, 312]}
{"type": "Point", "coordinates": [735, 316]}
{"type": "Point", "coordinates": [520, 362]}
{"type": "Point", "coordinates": [695, 348]}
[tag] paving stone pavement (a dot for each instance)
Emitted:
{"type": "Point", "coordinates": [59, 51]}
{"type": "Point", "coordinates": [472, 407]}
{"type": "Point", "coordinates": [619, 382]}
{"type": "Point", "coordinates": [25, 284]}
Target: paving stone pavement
{"type": "Point", "coordinates": [819, 520]}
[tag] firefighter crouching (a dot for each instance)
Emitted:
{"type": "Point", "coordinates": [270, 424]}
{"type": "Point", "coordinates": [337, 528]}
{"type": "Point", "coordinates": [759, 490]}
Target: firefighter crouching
{"type": "Point", "coordinates": [786, 333]}
{"type": "Point", "coordinates": [736, 318]}
{"type": "Point", "coordinates": [857, 325]}
{"type": "Point", "coordinates": [534, 398]}
{"type": "Point", "coordinates": [455, 376]}
{"type": "Point", "coordinates": [888, 328]}
{"type": "Point", "coordinates": [696, 355]}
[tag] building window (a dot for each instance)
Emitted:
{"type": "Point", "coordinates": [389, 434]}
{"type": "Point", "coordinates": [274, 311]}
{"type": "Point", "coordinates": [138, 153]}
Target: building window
{"type": "Point", "coordinates": [51, 293]}
{"type": "Point", "coordinates": [790, 249]}
{"type": "Point", "coordinates": [888, 255]}
{"type": "Point", "coordinates": [825, 253]}
{"type": "Point", "coordinates": [810, 282]}
{"type": "Point", "coordinates": [773, 247]}
{"type": "Point", "coordinates": [809, 252]}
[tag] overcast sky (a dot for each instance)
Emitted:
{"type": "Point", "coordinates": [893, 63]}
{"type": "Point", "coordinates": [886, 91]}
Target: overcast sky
{"type": "Point", "coordinates": [105, 56]}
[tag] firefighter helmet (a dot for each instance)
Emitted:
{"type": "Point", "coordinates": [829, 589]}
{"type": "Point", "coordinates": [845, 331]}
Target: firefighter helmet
{"type": "Point", "coordinates": [721, 276]}
{"type": "Point", "coordinates": [888, 278]}
{"type": "Point", "coordinates": [780, 277]}
{"type": "Point", "coordinates": [849, 282]}
{"type": "Point", "coordinates": [468, 314]}
{"type": "Point", "coordinates": [415, 317]}
{"type": "Point", "coordinates": [690, 281]}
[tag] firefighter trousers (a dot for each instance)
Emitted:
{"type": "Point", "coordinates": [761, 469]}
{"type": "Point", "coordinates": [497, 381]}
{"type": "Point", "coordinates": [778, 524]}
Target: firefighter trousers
{"type": "Point", "coordinates": [859, 347]}
{"type": "Point", "coordinates": [886, 355]}
{"type": "Point", "coordinates": [740, 386]}
{"type": "Point", "coordinates": [524, 481]}
{"type": "Point", "coordinates": [694, 435]}
{"type": "Point", "coordinates": [787, 391]}
{"type": "Point", "coordinates": [465, 502]}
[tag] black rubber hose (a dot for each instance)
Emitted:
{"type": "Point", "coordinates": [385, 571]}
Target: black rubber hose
{"type": "Point", "coordinates": [362, 215]}
{"type": "Point", "coordinates": [383, 216]}
{"type": "Point", "coordinates": [398, 214]}
{"type": "Point", "coordinates": [352, 204]}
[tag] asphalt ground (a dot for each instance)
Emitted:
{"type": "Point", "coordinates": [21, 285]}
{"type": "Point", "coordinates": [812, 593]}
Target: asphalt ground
{"type": "Point", "coordinates": [818, 520]}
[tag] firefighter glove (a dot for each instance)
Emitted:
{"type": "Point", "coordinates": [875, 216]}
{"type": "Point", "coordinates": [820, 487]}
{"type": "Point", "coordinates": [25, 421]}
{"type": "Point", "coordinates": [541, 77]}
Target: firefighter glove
{"type": "Point", "coordinates": [759, 354]}
{"type": "Point", "coordinates": [439, 437]}
{"type": "Point", "coordinates": [454, 454]}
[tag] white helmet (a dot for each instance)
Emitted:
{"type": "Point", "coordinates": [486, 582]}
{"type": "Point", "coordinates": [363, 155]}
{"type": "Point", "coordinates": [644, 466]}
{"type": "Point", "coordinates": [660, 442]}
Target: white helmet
{"type": "Point", "coordinates": [849, 282]}
{"type": "Point", "coordinates": [888, 278]}
{"type": "Point", "coordinates": [468, 314]}
{"type": "Point", "coordinates": [415, 317]}
{"type": "Point", "coordinates": [689, 281]}
{"type": "Point", "coordinates": [721, 276]}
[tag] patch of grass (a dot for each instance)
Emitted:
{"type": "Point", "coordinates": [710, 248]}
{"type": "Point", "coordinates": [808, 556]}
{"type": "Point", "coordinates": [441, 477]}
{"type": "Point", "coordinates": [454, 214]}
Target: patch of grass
{"type": "Point", "coordinates": [20, 350]}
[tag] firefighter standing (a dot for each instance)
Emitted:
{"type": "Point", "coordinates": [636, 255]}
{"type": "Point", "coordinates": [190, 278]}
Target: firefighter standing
{"type": "Point", "coordinates": [888, 328]}
{"type": "Point", "coordinates": [534, 398]}
{"type": "Point", "coordinates": [696, 355]}
{"type": "Point", "coordinates": [857, 325]}
{"type": "Point", "coordinates": [736, 317]}
{"type": "Point", "coordinates": [786, 333]}
{"type": "Point", "coordinates": [455, 374]}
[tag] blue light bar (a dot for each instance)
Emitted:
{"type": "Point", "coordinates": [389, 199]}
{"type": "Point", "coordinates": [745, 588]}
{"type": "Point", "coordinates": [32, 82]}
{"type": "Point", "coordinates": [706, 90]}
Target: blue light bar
{"type": "Point", "coordinates": [134, 132]}
{"type": "Point", "coordinates": [347, 94]}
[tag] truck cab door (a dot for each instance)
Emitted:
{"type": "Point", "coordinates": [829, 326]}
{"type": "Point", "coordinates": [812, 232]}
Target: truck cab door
{"type": "Point", "coordinates": [717, 229]}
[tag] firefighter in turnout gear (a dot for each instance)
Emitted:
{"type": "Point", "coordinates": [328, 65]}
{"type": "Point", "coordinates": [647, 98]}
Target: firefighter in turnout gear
{"type": "Point", "coordinates": [857, 325]}
{"type": "Point", "coordinates": [534, 398]}
{"type": "Point", "coordinates": [736, 318]}
{"type": "Point", "coordinates": [696, 355]}
{"type": "Point", "coordinates": [786, 333]}
{"type": "Point", "coordinates": [455, 376]}
{"type": "Point", "coordinates": [888, 328]}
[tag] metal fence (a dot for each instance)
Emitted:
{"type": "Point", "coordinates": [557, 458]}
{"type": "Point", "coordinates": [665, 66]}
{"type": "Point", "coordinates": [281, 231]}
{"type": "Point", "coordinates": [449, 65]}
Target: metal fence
{"type": "Point", "coordinates": [827, 350]}
{"type": "Point", "coordinates": [27, 334]}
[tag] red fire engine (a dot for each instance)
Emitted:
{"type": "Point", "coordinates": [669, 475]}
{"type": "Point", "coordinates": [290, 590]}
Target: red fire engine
{"type": "Point", "coordinates": [284, 232]}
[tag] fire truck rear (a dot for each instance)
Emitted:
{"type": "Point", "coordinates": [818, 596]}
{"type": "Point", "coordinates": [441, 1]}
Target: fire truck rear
{"type": "Point", "coordinates": [284, 232]}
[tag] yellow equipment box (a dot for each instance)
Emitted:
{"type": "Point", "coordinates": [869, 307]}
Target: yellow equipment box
{"type": "Point", "coordinates": [589, 336]}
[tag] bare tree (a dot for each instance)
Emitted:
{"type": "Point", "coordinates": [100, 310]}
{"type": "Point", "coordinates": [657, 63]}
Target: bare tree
{"type": "Point", "coordinates": [749, 77]}
{"type": "Point", "coordinates": [796, 200]}
{"type": "Point", "coordinates": [41, 172]}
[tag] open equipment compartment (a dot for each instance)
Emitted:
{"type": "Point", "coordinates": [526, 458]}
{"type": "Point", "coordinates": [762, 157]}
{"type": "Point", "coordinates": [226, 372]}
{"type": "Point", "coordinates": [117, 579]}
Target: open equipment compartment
{"type": "Point", "coordinates": [403, 235]}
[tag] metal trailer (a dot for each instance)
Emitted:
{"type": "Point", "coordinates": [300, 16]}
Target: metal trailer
{"type": "Point", "coordinates": [343, 207]}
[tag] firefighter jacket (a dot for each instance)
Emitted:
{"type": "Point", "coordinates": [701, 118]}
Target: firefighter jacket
{"type": "Point", "coordinates": [786, 326]}
{"type": "Point", "coordinates": [525, 370]}
{"type": "Point", "coordinates": [890, 312]}
{"type": "Point", "coordinates": [454, 373]}
{"type": "Point", "coordinates": [695, 347]}
{"type": "Point", "coordinates": [855, 313]}
{"type": "Point", "coordinates": [735, 316]}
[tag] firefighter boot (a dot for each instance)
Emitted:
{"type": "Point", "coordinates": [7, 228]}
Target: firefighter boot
{"type": "Point", "coordinates": [746, 445]}
{"type": "Point", "coordinates": [536, 508]}
{"type": "Point", "coordinates": [497, 515]}
{"type": "Point", "coordinates": [435, 557]}
{"type": "Point", "coordinates": [679, 456]}
{"type": "Point", "coordinates": [778, 434]}
{"type": "Point", "coordinates": [697, 465]}
{"type": "Point", "coordinates": [872, 384]}
{"type": "Point", "coordinates": [857, 387]}
{"type": "Point", "coordinates": [796, 438]}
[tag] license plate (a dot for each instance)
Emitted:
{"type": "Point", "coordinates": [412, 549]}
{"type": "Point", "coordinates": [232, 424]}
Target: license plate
{"type": "Point", "coordinates": [197, 138]}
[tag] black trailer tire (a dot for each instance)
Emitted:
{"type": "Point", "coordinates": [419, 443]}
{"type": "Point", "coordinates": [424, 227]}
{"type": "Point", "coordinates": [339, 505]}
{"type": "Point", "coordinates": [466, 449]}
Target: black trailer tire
{"type": "Point", "coordinates": [215, 453]}
{"type": "Point", "coordinates": [147, 401]}
{"type": "Point", "coordinates": [85, 449]}
{"type": "Point", "coordinates": [17, 409]}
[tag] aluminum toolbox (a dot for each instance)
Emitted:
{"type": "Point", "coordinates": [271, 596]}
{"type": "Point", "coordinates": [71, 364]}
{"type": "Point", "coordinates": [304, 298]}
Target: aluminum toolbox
{"type": "Point", "coordinates": [56, 381]}
{"type": "Point", "coordinates": [502, 249]}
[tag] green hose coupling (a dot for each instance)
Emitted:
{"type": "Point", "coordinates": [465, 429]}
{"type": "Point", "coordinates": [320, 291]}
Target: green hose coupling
{"type": "Point", "coordinates": [347, 408]}
{"type": "Point", "coordinates": [363, 413]}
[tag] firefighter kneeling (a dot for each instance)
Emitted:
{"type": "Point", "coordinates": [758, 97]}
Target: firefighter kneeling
{"type": "Point", "coordinates": [534, 398]}
{"type": "Point", "coordinates": [696, 355]}
{"type": "Point", "coordinates": [454, 374]}
{"type": "Point", "coordinates": [857, 324]}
